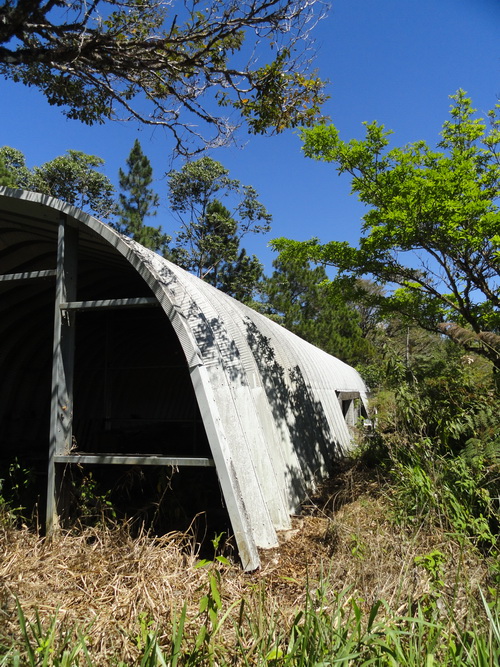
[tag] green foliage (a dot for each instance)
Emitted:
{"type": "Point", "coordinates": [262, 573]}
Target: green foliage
{"type": "Point", "coordinates": [298, 297]}
{"type": "Point", "coordinates": [211, 612]}
{"type": "Point", "coordinates": [54, 645]}
{"type": "Point", "coordinates": [7, 178]}
{"type": "Point", "coordinates": [75, 178]}
{"type": "Point", "coordinates": [15, 172]}
{"type": "Point", "coordinates": [93, 505]}
{"type": "Point", "coordinates": [450, 492]}
{"type": "Point", "coordinates": [164, 63]}
{"type": "Point", "coordinates": [14, 487]}
{"type": "Point", "coordinates": [284, 98]}
{"type": "Point", "coordinates": [138, 201]}
{"type": "Point", "coordinates": [433, 563]}
{"type": "Point", "coordinates": [208, 243]}
{"type": "Point", "coordinates": [439, 426]}
{"type": "Point", "coordinates": [432, 227]}
{"type": "Point", "coordinates": [19, 481]}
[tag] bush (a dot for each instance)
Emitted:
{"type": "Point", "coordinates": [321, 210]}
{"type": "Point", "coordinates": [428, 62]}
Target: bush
{"type": "Point", "coordinates": [439, 434]}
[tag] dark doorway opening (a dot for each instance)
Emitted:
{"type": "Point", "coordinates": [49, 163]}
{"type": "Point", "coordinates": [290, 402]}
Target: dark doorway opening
{"type": "Point", "coordinates": [133, 394]}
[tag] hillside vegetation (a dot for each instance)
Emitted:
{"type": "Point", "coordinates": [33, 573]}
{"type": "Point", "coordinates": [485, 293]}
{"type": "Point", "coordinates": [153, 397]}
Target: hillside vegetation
{"type": "Point", "coordinates": [393, 562]}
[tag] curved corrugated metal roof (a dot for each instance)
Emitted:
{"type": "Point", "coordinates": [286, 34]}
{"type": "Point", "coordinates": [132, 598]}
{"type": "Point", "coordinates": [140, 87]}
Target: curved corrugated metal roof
{"type": "Point", "coordinates": [268, 400]}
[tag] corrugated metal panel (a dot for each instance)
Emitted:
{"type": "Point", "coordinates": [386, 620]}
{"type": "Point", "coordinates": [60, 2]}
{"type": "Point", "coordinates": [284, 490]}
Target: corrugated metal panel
{"type": "Point", "coordinates": [294, 397]}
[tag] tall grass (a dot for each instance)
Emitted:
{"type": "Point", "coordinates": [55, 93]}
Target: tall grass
{"type": "Point", "coordinates": [439, 438]}
{"type": "Point", "coordinates": [398, 570]}
{"type": "Point", "coordinates": [329, 629]}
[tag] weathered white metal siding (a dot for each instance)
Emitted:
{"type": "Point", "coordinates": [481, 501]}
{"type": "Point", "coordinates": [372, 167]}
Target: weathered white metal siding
{"type": "Point", "coordinates": [276, 396]}
{"type": "Point", "coordinates": [268, 399]}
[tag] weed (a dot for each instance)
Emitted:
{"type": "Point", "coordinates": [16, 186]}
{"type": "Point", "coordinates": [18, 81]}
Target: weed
{"type": "Point", "coordinates": [93, 504]}
{"type": "Point", "coordinates": [48, 645]}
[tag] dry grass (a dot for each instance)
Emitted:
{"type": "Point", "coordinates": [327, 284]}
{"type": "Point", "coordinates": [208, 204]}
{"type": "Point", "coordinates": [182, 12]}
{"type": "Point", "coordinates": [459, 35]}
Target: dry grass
{"type": "Point", "coordinates": [106, 581]}
{"type": "Point", "coordinates": [101, 579]}
{"type": "Point", "coordinates": [348, 533]}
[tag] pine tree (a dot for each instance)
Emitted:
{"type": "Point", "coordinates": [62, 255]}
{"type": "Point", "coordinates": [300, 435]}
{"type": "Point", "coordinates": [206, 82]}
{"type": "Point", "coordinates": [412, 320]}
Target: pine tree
{"type": "Point", "coordinates": [138, 201]}
{"type": "Point", "coordinates": [208, 243]}
{"type": "Point", "coordinates": [297, 297]}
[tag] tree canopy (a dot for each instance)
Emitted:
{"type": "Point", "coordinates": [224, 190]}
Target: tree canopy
{"type": "Point", "coordinates": [15, 173]}
{"type": "Point", "coordinates": [298, 297]}
{"type": "Point", "coordinates": [170, 63]}
{"type": "Point", "coordinates": [208, 242]}
{"type": "Point", "coordinates": [433, 226]}
{"type": "Point", "coordinates": [74, 177]}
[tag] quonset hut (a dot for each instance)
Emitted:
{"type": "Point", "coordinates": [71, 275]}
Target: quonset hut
{"type": "Point", "coordinates": [111, 355]}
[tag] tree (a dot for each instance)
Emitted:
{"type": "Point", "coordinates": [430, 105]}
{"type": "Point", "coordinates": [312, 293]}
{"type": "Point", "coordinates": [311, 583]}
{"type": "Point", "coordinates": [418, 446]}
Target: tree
{"type": "Point", "coordinates": [15, 172]}
{"type": "Point", "coordinates": [166, 63]}
{"type": "Point", "coordinates": [208, 243]}
{"type": "Point", "coordinates": [433, 229]}
{"type": "Point", "coordinates": [140, 203]}
{"type": "Point", "coordinates": [298, 297]}
{"type": "Point", "coordinates": [73, 177]}
{"type": "Point", "coordinates": [7, 178]}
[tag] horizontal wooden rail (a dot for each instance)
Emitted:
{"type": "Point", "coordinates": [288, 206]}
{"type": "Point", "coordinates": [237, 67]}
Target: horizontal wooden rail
{"type": "Point", "coordinates": [107, 304]}
{"type": "Point", "coordinates": [119, 459]}
{"type": "Point", "coordinates": [27, 275]}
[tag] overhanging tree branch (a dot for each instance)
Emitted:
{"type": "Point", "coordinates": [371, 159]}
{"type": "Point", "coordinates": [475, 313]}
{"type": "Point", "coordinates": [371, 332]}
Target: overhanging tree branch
{"type": "Point", "coordinates": [104, 60]}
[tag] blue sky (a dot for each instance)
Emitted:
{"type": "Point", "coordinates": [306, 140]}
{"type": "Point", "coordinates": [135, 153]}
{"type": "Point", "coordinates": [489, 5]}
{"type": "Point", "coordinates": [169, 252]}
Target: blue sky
{"type": "Point", "coordinates": [394, 61]}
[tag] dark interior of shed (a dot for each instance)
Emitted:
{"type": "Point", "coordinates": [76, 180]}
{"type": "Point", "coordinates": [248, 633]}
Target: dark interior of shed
{"type": "Point", "coordinates": [132, 390]}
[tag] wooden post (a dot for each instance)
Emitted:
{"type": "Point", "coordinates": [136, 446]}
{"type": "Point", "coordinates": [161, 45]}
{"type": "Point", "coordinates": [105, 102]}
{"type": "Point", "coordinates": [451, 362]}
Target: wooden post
{"type": "Point", "coordinates": [61, 417]}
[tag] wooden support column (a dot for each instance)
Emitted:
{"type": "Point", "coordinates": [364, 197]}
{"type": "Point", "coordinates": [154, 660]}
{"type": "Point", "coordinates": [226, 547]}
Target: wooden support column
{"type": "Point", "coordinates": [61, 417]}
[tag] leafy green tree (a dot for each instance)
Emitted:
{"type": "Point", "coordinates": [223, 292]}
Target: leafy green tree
{"type": "Point", "coordinates": [299, 298]}
{"type": "Point", "coordinates": [138, 201]}
{"type": "Point", "coordinates": [6, 176]}
{"type": "Point", "coordinates": [433, 228]}
{"type": "Point", "coordinates": [15, 172]}
{"type": "Point", "coordinates": [164, 63]}
{"type": "Point", "coordinates": [73, 177]}
{"type": "Point", "coordinates": [208, 243]}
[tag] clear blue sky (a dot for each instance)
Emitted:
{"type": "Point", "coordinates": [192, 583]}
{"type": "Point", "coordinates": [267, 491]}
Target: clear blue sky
{"type": "Point", "coordinates": [394, 61]}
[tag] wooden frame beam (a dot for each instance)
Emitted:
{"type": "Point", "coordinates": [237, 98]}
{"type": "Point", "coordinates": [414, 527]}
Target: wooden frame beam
{"type": "Point", "coordinates": [109, 304]}
{"type": "Point", "coordinates": [63, 351]}
{"type": "Point", "coordinates": [119, 459]}
{"type": "Point", "coordinates": [28, 275]}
